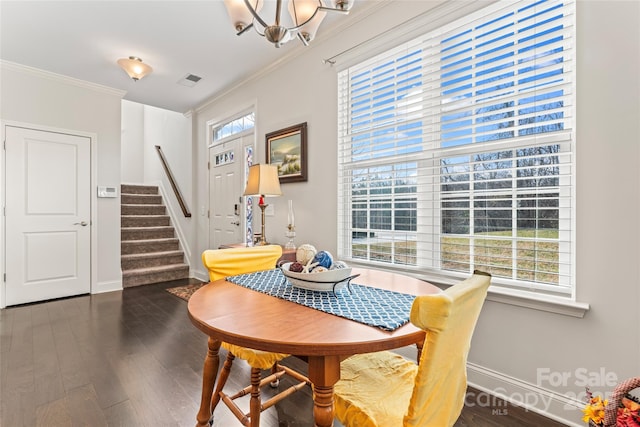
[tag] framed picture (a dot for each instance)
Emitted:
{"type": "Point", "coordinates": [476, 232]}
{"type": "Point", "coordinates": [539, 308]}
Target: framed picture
{"type": "Point", "coordinates": [287, 149]}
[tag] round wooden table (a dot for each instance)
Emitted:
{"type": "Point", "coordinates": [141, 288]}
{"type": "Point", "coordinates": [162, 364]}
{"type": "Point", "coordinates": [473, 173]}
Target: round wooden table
{"type": "Point", "coordinates": [237, 315]}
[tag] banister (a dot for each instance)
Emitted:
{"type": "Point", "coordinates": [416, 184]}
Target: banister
{"type": "Point", "coordinates": [174, 185]}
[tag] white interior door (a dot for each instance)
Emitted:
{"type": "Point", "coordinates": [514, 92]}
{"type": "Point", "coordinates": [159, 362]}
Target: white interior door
{"type": "Point", "coordinates": [48, 212]}
{"type": "Point", "coordinates": [226, 185]}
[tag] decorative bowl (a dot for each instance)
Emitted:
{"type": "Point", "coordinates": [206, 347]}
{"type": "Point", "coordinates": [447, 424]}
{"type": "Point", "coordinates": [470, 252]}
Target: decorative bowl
{"type": "Point", "coordinates": [330, 280]}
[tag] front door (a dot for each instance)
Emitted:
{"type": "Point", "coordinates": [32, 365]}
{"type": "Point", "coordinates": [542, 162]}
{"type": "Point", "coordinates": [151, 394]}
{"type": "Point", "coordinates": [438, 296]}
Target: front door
{"type": "Point", "coordinates": [48, 213]}
{"type": "Point", "coordinates": [226, 185]}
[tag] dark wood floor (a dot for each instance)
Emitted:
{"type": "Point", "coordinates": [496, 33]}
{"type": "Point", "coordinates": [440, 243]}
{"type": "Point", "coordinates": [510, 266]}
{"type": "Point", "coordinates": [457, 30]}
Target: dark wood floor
{"type": "Point", "coordinates": [132, 358]}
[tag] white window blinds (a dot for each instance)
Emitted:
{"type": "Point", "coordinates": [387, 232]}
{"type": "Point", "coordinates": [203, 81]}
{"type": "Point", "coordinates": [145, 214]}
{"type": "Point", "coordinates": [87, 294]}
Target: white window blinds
{"type": "Point", "coordinates": [456, 150]}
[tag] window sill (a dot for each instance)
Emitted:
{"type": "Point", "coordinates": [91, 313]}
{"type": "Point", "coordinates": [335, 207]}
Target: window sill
{"type": "Point", "coordinates": [541, 302]}
{"type": "Point", "coordinates": [548, 303]}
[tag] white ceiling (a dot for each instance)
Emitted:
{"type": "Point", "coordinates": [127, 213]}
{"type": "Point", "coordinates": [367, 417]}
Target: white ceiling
{"type": "Point", "coordinates": [84, 39]}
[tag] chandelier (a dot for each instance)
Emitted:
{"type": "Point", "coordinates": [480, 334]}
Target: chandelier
{"type": "Point", "coordinates": [305, 18]}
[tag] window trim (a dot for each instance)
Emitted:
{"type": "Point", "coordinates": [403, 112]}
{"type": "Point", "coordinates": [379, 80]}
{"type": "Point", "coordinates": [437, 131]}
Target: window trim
{"type": "Point", "coordinates": [212, 127]}
{"type": "Point", "coordinates": [556, 304]}
{"type": "Point", "coordinates": [563, 303]}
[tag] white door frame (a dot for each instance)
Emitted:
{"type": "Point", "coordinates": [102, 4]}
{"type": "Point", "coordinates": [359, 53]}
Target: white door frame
{"type": "Point", "coordinates": [239, 135]}
{"type": "Point", "coordinates": [93, 137]}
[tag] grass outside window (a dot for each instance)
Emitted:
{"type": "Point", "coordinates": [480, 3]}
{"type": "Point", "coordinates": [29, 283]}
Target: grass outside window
{"type": "Point", "coordinates": [533, 254]}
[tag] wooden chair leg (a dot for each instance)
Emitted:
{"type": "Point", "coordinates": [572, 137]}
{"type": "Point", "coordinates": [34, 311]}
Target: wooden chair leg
{"type": "Point", "coordinates": [222, 379]}
{"type": "Point", "coordinates": [254, 403]}
{"type": "Point", "coordinates": [274, 370]}
{"type": "Point", "coordinates": [256, 406]}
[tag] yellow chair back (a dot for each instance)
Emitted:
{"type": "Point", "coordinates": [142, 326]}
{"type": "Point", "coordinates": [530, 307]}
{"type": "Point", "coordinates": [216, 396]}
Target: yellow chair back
{"type": "Point", "coordinates": [449, 318]}
{"type": "Point", "coordinates": [223, 263]}
{"type": "Point", "coordinates": [384, 389]}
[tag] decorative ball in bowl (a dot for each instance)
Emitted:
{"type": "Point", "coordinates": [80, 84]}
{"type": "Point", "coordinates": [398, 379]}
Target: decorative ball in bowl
{"type": "Point", "coordinates": [322, 280]}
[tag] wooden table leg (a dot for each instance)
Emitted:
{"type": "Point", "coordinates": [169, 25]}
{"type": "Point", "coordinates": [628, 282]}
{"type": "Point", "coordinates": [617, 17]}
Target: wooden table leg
{"type": "Point", "coordinates": [324, 372]}
{"type": "Point", "coordinates": [209, 372]}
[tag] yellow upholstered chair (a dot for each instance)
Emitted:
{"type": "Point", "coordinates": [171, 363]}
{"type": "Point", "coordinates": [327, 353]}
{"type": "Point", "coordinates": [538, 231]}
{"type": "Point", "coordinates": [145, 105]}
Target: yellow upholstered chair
{"type": "Point", "coordinates": [385, 390]}
{"type": "Point", "coordinates": [223, 263]}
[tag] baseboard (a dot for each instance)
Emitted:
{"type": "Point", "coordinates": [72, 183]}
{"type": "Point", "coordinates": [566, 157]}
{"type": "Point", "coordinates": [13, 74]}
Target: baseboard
{"type": "Point", "coordinates": [531, 397]}
{"type": "Point", "coordinates": [201, 275]}
{"type": "Point", "coordinates": [103, 287]}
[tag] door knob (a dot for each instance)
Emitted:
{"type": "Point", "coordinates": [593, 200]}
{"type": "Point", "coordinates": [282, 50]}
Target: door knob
{"type": "Point", "coordinates": [235, 222]}
{"type": "Point", "coordinates": [83, 223]}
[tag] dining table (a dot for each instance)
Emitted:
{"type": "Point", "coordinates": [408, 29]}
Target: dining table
{"type": "Point", "coordinates": [228, 312]}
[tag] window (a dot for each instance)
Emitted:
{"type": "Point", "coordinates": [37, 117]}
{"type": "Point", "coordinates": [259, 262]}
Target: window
{"type": "Point", "coordinates": [456, 150]}
{"type": "Point", "coordinates": [233, 127]}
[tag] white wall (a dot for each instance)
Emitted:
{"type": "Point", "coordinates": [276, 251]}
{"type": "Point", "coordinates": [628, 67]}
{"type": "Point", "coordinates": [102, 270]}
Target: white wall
{"type": "Point", "coordinates": [132, 153]}
{"type": "Point", "coordinates": [513, 346]}
{"type": "Point", "coordinates": [41, 99]}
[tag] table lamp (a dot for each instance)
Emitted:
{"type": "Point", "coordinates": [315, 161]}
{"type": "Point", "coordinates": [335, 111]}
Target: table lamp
{"type": "Point", "coordinates": [263, 181]}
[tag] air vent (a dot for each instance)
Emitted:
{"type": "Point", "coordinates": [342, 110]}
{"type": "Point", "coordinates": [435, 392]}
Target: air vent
{"type": "Point", "coordinates": [190, 80]}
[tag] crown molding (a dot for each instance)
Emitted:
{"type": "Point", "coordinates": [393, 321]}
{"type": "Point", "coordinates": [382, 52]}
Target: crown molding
{"type": "Point", "coordinates": [355, 16]}
{"type": "Point", "coordinates": [25, 69]}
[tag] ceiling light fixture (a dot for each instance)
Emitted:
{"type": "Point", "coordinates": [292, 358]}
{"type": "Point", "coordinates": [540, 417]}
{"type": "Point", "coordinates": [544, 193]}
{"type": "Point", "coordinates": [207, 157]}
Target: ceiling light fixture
{"type": "Point", "coordinates": [306, 16]}
{"type": "Point", "coordinates": [134, 67]}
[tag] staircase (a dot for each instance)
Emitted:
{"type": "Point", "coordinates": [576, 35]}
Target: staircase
{"type": "Point", "coordinates": [150, 251]}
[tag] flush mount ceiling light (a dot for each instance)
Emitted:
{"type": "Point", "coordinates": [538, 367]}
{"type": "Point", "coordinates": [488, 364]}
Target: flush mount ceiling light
{"type": "Point", "coordinates": [134, 67]}
{"type": "Point", "coordinates": [305, 18]}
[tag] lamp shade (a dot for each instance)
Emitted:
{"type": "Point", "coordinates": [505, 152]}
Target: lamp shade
{"type": "Point", "coordinates": [302, 11]}
{"type": "Point", "coordinates": [134, 67]}
{"type": "Point", "coordinates": [240, 15]}
{"type": "Point", "coordinates": [263, 181]}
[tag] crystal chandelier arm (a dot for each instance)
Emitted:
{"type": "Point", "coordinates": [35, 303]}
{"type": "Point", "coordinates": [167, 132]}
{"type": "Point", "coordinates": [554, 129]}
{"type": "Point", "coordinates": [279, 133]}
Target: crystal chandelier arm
{"type": "Point", "coordinates": [255, 14]}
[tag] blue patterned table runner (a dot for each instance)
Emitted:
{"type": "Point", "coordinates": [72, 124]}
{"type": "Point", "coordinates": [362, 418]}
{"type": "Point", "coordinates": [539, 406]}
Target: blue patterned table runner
{"type": "Point", "coordinates": [381, 308]}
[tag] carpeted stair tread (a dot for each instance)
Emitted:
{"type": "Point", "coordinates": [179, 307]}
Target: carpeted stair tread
{"type": "Point", "coordinates": [148, 245]}
{"type": "Point", "coordinates": [150, 228]}
{"type": "Point", "coordinates": [138, 189]}
{"type": "Point", "coordinates": [128, 221]}
{"type": "Point", "coordinates": [142, 241]}
{"type": "Point", "coordinates": [146, 276]}
{"type": "Point", "coordinates": [152, 254]}
{"type": "Point", "coordinates": [144, 216]}
{"type": "Point", "coordinates": [151, 259]}
{"type": "Point", "coordinates": [156, 269]}
{"type": "Point", "coordinates": [140, 205]}
{"type": "Point", "coordinates": [143, 209]}
{"type": "Point", "coordinates": [140, 233]}
{"type": "Point", "coordinates": [141, 199]}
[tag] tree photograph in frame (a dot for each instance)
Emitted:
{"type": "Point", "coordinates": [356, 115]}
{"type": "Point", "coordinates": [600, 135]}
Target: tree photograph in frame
{"type": "Point", "coordinates": [287, 150]}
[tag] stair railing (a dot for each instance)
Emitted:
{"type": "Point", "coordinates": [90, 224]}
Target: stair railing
{"type": "Point", "coordinates": [174, 185]}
